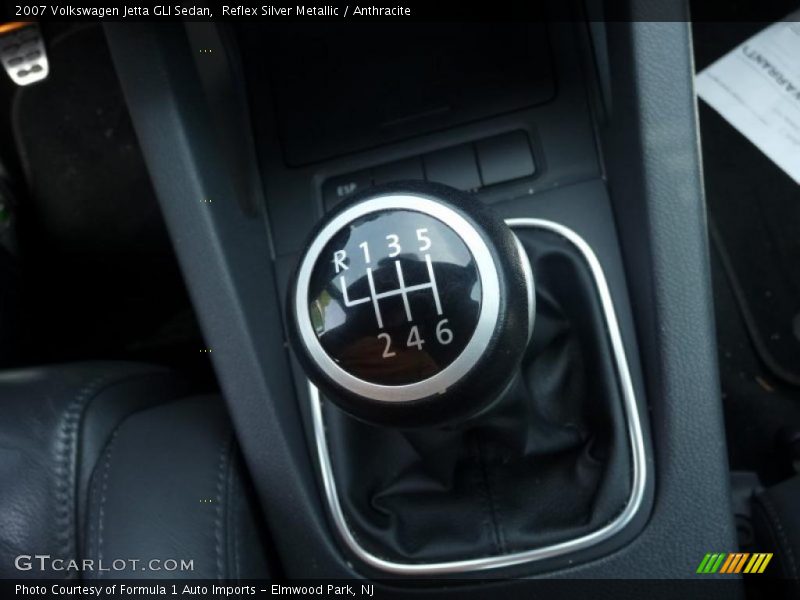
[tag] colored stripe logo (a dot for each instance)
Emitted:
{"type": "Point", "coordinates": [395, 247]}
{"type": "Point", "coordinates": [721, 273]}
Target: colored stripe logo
{"type": "Point", "coordinates": [734, 562]}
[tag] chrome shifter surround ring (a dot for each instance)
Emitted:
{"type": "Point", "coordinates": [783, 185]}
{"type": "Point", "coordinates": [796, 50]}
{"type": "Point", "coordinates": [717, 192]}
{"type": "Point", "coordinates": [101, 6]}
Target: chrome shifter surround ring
{"type": "Point", "coordinates": [641, 475]}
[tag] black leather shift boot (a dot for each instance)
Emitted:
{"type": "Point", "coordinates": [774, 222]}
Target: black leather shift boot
{"type": "Point", "coordinates": [549, 462]}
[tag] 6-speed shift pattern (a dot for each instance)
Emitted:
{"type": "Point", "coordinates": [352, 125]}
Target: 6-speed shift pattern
{"type": "Point", "coordinates": [398, 298]}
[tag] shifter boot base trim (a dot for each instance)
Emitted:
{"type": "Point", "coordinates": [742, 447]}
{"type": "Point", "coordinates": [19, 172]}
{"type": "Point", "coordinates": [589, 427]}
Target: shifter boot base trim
{"type": "Point", "coordinates": [639, 475]}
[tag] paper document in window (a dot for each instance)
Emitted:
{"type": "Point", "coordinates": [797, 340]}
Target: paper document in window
{"type": "Point", "coordinates": [756, 88]}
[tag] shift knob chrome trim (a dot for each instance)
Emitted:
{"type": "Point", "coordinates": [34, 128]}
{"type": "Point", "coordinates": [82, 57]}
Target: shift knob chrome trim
{"type": "Point", "coordinates": [487, 320]}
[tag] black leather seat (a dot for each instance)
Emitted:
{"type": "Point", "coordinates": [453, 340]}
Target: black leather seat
{"type": "Point", "coordinates": [776, 518]}
{"type": "Point", "coordinates": [115, 470]}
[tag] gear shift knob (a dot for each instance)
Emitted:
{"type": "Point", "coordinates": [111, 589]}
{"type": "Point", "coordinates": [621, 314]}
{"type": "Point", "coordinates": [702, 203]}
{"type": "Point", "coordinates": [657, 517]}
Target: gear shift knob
{"type": "Point", "coordinates": [412, 305]}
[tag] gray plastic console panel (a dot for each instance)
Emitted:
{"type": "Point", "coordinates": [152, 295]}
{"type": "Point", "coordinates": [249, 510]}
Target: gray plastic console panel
{"type": "Point", "coordinates": [652, 157]}
{"type": "Point", "coordinates": [226, 259]}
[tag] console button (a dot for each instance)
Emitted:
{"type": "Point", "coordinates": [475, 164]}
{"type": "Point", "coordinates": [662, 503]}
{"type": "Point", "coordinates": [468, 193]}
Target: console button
{"type": "Point", "coordinates": [455, 167]}
{"type": "Point", "coordinates": [505, 157]}
{"type": "Point", "coordinates": [402, 170]}
{"type": "Point", "coordinates": [339, 188]}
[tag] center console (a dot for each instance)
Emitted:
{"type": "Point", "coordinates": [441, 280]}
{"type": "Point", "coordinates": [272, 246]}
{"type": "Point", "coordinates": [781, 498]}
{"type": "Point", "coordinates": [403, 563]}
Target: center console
{"type": "Point", "coordinates": [457, 290]}
{"type": "Point", "coordinates": [478, 407]}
